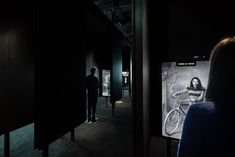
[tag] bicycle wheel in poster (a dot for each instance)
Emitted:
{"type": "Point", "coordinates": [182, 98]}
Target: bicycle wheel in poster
{"type": "Point", "coordinates": [172, 121]}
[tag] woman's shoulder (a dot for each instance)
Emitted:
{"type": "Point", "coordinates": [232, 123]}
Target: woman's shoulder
{"type": "Point", "coordinates": [202, 107]}
{"type": "Point", "coordinates": [202, 115]}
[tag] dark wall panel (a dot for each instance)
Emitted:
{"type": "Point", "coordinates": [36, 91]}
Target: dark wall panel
{"type": "Point", "coordinates": [61, 71]}
{"type": "Point", "coordinates": [116, 72]}
{"type": "Point", "coordinates": [3, 79]}
{"type": "Point", "coordinates": [17, 64]}
{"type": "Point", "coordinates": [21, 71]}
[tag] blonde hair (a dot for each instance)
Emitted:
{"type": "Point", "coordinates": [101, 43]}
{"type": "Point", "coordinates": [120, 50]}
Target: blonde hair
{"type": "Point", "coordinates": [221, 76]}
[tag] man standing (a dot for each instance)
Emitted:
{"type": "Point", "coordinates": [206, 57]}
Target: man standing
{"type": "Point", "coordinates": [92, 85]}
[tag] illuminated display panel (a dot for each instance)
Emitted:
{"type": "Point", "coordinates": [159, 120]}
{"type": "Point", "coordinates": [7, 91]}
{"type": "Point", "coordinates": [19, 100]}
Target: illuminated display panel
{"type": "Point", "coordinates": [105, 82]}
{"type": "Point", "coordinates": [178, 93]}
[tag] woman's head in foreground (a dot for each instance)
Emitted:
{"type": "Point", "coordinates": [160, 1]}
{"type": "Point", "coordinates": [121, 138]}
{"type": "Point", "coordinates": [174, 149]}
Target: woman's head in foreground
{"type": "Point", "coordinates": [221, 83]}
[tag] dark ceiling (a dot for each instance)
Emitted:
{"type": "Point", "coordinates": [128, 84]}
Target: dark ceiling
{"type": "Point", "coordinates": [119, 12]}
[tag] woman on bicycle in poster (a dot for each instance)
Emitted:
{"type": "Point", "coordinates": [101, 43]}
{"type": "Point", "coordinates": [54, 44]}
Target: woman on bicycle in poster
{"type": "Point", "coordinates": [176, 115]}
{"type": "Point", "coordinates": [195, 91]}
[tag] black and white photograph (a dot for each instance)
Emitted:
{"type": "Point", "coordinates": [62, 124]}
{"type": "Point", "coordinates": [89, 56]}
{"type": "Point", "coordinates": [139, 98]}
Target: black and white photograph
{"type": "Point", "coordinates": [105, 82]}
{"type": "Point", "coordinates": [125, 78]}
{"type": "Point", "coordinates": [181, 87]}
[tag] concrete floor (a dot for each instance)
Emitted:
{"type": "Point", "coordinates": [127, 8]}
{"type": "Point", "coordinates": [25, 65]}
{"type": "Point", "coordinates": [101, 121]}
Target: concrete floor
{"type": "Point", "coordinates": [107, 137]}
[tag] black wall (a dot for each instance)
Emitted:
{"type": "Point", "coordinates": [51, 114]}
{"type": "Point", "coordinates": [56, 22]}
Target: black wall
{"type": "Point", "coordinates": [126, 59]}
{"type": "Point", "coordinates": [17, 64]}
{"type": "Point", "coordinates": [195, 26]}
{"type": "Point", "coordinates": [61, 70]}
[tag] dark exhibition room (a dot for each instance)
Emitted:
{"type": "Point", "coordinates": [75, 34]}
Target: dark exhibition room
{"type": "Point", "coordinates": [116, 78]}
